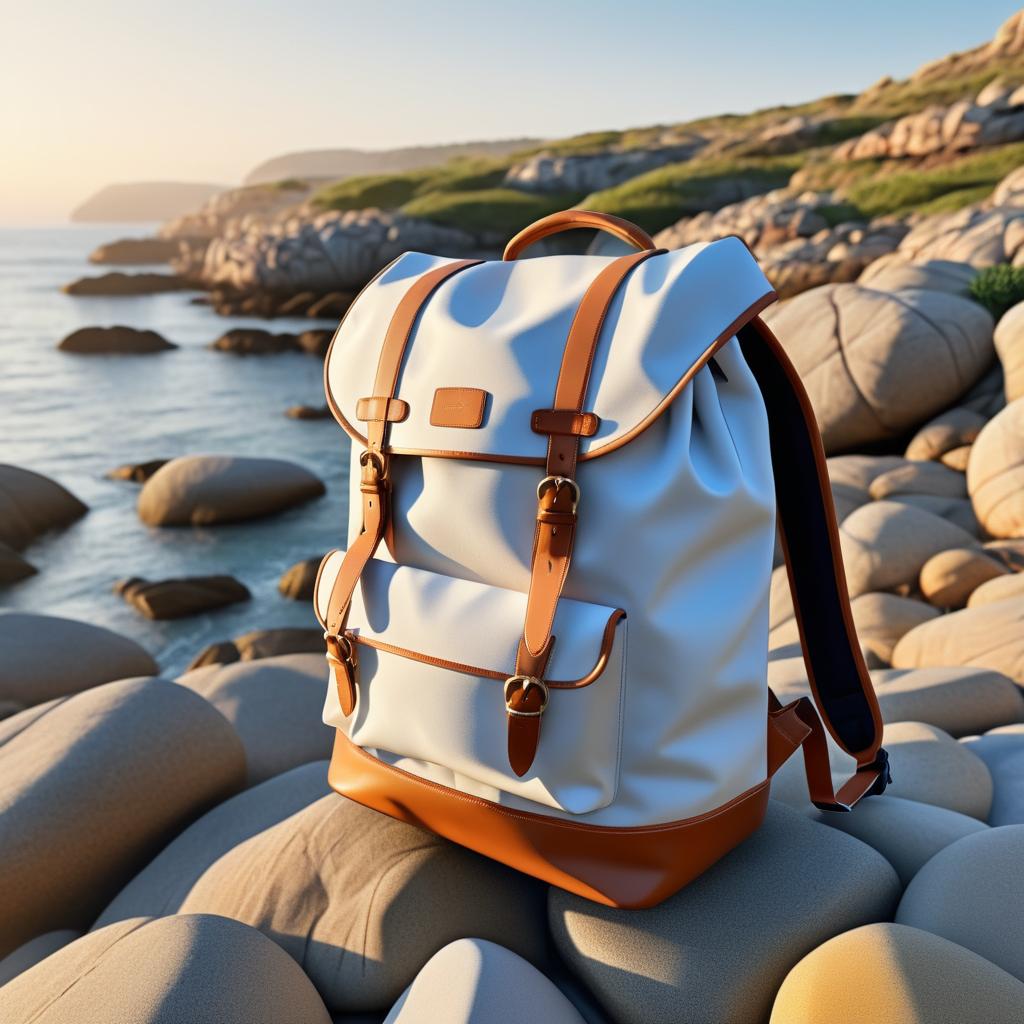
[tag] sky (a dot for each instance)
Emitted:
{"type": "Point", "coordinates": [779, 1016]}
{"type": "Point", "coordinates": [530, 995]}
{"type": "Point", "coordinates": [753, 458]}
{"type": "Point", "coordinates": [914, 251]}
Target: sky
{"type": "Point", "coordinates": [100, 91]}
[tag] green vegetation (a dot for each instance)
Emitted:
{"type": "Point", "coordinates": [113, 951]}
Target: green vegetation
{"type": "Point", "coordinates": [661, 197]}
{"type": "Point", "coordinates": [290, 185]}
{"type": "Point", "coordinates": [496, 210]}
{"type": "Point", "coordinates": [956, 200]}
{"type": "Point", "coordinates": [999, 288]}
{"type": "Point", "coordinates": [839, 213]}
{"type": "Point", "coordinates": [905, 191]}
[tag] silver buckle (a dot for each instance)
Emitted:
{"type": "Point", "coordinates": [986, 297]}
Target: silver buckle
{"type": "Point", "coordinates": [558, 482]}
{"type": "Point", "coordinates": [527, 682]}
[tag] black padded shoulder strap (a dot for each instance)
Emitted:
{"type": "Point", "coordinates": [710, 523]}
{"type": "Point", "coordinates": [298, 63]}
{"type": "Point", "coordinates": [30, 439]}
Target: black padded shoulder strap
{"type": "Point", "coordinates": [836, 671]}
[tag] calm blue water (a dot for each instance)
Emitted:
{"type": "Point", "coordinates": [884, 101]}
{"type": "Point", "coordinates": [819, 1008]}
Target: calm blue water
{"type": "Point", "coordinates": [73, 418]}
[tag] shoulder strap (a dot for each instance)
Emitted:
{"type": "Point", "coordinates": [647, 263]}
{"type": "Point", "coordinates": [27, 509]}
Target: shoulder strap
{"type": "Point", "coordinates": [836, 671]}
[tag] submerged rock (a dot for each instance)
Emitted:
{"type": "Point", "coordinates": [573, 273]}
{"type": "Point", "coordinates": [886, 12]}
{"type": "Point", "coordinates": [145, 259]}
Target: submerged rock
{"type": "Point", "coordinates": [116, 283]}
{"type": "Point", "coordinates": [137, 472]}
{"type": "Point", "coordinates": [177, 598]}
{"type": "Point", "coordinates": [261, 643]}
{"type": "Point", "coordinates": [31, 505]}
{"type": "Point", "coordinates": [114, 341]}
{"type": "Point", "coordinates": [128, 251]}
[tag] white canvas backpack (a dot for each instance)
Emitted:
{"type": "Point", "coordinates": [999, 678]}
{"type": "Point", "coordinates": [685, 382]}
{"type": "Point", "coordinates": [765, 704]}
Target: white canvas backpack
{"type": "Point", "coordinates": [548, 636]}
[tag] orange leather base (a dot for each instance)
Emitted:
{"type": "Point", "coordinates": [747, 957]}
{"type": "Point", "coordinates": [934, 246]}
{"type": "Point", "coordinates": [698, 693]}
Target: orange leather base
{"type": "Point", "coordinates": [630, 868]}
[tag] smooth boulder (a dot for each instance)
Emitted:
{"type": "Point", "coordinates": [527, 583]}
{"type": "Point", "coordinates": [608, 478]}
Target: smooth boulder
{"type": "Point", "coordinates": [297, 582]}
{"type": "Point", "coordinates": [192, 969]}
{"type": "Point", "coordinates": [45, 657]}
{"type": "Point", "coordinates": [987, 635]}
{"type": "Point", "coordinates": [907, 833]}
{"type": "Point", "coordinates": [274, 705]}
{"type": "Point", "coordinates": [1001, 588]}
{"type": "Point", "coordinates": [203, 490]}
{"type": "Point", "coordinates": [30, 953]}
{"type": "Point", "coordinates": [886, 543]}
{"type": "Point", "coordinates": [13, 567]}
{"type": "Point", "coordinates": [958, 700]}
{"type": "Point", "coordinates": [93, 787]}
{"type": "Point", "coordinates": [949, 578]}
{"type": "Point", "coordinates": [894, 272]}
{"type": "Point", "coordinates": [895, 974]}
{"type": "Point", "coordinates": [177, 598]}
{"type": "Point", "coordinates": [1009, 339]}
{"type": "Point", "coordinates": [1002, 750]}
{"type": "Point", "coordinates": [359, 899]}
{"type": "Point", "coordinates": [919, 478]}
{"type": "Point", "coordinates": [31, 505]}
{"type": "Point", "coordinates": [971, 894]}
{"type": "Point", "coordinates": [261, 643]}
{"type": "Point", "coordinates": [472, 981]}
{"type": "Point", "coordinates": [719, 949]}
{"type": "Point", "coordinates": [930, 766]}
{"type": "Point", "coordinates": [995, 473]}
{"type": "Point", "coordinates": [877, 364]}
{"type": "Point", "coordinates": [99, 341]}
{"type": "Point", "coordinates": [951, 429]}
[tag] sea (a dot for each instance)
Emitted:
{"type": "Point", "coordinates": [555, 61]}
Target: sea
{"type": "Point", "coordinates": [74, 418]}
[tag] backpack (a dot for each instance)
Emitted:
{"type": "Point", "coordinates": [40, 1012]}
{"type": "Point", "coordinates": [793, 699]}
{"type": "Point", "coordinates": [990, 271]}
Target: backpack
{"type": "Point", "coordinates": [548, 636]}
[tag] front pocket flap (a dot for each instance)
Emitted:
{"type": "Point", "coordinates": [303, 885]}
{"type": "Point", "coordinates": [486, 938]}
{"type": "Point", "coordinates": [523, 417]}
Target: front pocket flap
{"type": "Point", "coordinates": [469, 626]}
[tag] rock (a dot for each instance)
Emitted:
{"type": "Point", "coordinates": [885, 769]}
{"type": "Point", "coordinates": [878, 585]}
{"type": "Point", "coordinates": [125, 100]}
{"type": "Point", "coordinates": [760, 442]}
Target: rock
{"type": "Point", "coordinates": [177, 598]}
{"type": "Point", "coordinates": [308, 412]}
{"type": "Point", "coordinates": [1001, 588]}
{"type": "Point", "coordinates": [995, 473]}
{"type": "Point", "coordinates": [135, 251]}
{"type": "Point", "coordinates": [203, 490]}
{"type": "Point", "coordinates": [950, 429]}
{"type": "Point", "coordinates": [252, 341]}
{"type": "Point", "coordinates": [195, 968]}
{"type": "Point", "coordinates": [275, 706]}
{"type": "Point", "coordinates": [9, 708]}
{"type": "Point", "coordinates": [876, 365]}
{"type": "Point", "coordinates": [116, 283]}
{"type": "Point", "coordinates": [989, 636]}
{"type": "Point", "coordinates": [1009, 339]}
{"type": "Point", "coordinates": [94, 787]}
{"type": "Point", "coordinates": [906, 832]}
{"type": "Point", "coordinates": [472, 981]}
{"type": "Point", "coordinates": [297, 582]}
{"type": "Point", "coordinates": [970, 893]}
{"type": "Point", "coordinates": [46, 657]}
{"type": "Point", "coordinates": [957, 458]}
{"type": "Point", "coordinates": [33, 952]}
{"type": "Point", "coordinates": [949, 578]}
{"type": "Point", "coordinates": [919, 478]}
{"type": "Point", "coordinates": [958, 700]}
{"type": "Point", "coordinates": [894, 273]}
{"type": "Point", "coordinates": [332, 306]}
{"type": "Point", "coordinates": [886, 543]}
{"type": "Point", "coordinates": [1002, 750]}
{"type": "Point", "coordinates": [975, 235]}
{"type": "Point", "coordinates": [31, 505]}
{"type": "Point", "coordinates": [881, 619]}
{"type": "Point", "coordinates": [114, 340]}
{"type": "Point", "coordinates": [359, 899]}
{"type": "Point", "coordinates": [851, 476]}
{"type": "Point", "coordinates": [930, 766]}
{"type": "Point", "coordinates": [137, 472]}
{"type": "Point", "coordinates": [13, 567]}
{"type": "Point", "coordinates": [1009, 551]}
{"type": "Point", "coordinates": [890, 972]}
{"type": "Point", "coordinates": [958, 511]}
{"type": "Point", "coordinates": [772, 900]}
{"type": "Point", "coordinates": [297, 304]}
{"type": "Point", "coordinates": [261, 643]}
{"type": "Point", "coordinates": [315, 343]}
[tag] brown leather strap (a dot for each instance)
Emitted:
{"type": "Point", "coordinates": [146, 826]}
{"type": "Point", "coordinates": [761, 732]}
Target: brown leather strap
{"type": "Point", "coordinates": [374, 485]}
{"type": "Point", "coordinates": [569, 220]}
{"type": "Point", "coordinates": [557, 498]}
{"type": "Point", "coordinates": [838, 677]}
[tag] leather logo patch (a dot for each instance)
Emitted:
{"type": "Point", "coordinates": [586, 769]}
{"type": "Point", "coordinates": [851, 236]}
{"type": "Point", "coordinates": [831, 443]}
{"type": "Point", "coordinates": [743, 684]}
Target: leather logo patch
{"type": "Point", "coordinates": [458, 407]}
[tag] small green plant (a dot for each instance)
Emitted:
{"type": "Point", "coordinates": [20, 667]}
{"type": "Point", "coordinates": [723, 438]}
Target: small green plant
{"type": "Point", "coordinates": [499, 211]}
{"type": "Point", "coordinates": [999, 288]}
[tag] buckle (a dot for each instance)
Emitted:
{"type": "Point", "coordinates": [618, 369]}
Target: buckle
{"type": "Point", "coordinates": [345, 653]}
{"type": "Point", "coordinates": [527, 682]}
{"type": "Point", "coordinates": [377, 459]}
{"type": "Point", "coordinates": [558, 482]}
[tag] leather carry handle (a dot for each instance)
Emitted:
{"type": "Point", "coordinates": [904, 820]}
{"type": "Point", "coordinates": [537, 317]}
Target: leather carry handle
{"type": "Point", "coordinates": [570, 220]}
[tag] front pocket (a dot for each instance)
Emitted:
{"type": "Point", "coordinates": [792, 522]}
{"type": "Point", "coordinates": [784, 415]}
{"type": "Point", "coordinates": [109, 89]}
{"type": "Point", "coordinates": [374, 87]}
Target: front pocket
{"type": "Point", "coordinates": [433, 656]}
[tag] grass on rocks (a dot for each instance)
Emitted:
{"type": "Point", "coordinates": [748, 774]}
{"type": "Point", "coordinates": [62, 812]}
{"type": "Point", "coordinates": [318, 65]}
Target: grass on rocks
{"type": "Point", "coordinates": [661, 197]}
{"type": "Point", "coordinates": [906, 191]}
{"type": "Point", "coordinates": [501, 211]}
{"type": "Point", "coordinates": [998, 288]}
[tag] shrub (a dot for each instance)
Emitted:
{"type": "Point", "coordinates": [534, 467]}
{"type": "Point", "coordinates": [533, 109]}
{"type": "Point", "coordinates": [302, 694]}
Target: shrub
{"type": "Point", "coordinates": [388, 191]}
{"type": "Point", "coordinates": [501, 211]}
{"type": "Point", "coordinates": [999, 288]}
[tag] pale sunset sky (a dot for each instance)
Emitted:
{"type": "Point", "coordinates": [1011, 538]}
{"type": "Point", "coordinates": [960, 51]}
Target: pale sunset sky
{"type": "Point", "coordinates": [103, 91]}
